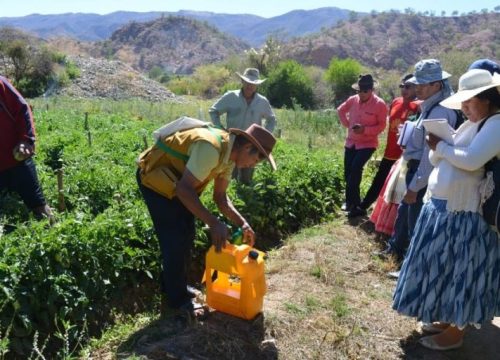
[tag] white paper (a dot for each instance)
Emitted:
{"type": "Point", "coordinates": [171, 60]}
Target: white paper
{"type": "Point", "coordinates": [441, 128]}
{"type": "Point", "coordinates": [405, 133]}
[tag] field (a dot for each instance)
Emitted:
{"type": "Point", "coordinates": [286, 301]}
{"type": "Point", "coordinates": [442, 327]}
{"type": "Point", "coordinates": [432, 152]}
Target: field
{"type": "Point", "coordinates": [64, 283]}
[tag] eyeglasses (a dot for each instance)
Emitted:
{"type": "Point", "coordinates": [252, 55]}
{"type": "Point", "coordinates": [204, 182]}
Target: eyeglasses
{"type": "Point", "coordinates": [406, 86]}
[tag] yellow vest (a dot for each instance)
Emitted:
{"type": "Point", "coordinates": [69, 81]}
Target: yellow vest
{"type": "Point", "coordinates": [164, 163]}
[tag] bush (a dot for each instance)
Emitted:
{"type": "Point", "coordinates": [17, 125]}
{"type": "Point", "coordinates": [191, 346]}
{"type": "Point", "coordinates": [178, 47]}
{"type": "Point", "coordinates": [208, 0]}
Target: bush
{"type": "Point", "coordinates": [288, 85]}
{"type": "Point", "coordinates": [341, 74]}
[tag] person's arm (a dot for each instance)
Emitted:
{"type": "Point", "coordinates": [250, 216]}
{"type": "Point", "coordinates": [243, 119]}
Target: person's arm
{"type": "Point", "coordinates": [381, 114]}
{"type": "Point", "coordinates": [218, 108]}
{"type": "Point", "coordinates": [227, 208]}
{"type": "Point", "coordinates": [186, 192]}
{"type": "Point", "coordinates": [343, 110]}
{"type": "Point", "coordinates": [269, 116]}
{"type": "Point", "coordinates": [19, 112]}
{"type": "Point", "coordinates": [483, 148]}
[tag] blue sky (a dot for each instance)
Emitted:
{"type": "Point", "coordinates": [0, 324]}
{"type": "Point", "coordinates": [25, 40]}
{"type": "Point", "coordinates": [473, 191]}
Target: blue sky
{"type": "Point", "coordinates": [265, 8]}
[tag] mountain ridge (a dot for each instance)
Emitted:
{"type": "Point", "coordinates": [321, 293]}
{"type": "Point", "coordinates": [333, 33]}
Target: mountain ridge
{"type": "Point", "coordinates": [252, 29]}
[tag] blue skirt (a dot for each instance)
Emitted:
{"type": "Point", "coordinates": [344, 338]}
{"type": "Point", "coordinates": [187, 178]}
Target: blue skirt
{"type": "Point", "coordinates": [451, 272]}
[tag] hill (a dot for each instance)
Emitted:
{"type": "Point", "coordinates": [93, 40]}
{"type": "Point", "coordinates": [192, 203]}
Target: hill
{"type": "Point", "coordinates": [394, 40]}
{"type": "Point", "coordinates": [250, 28]}
{"type": "Point", "coordinates": [175, 44]}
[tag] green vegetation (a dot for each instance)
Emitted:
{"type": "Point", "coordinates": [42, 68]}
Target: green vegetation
{"type": "Point", "coordinates": [59, 283]}
{"type": "Point", "coordinates": [341, 74]}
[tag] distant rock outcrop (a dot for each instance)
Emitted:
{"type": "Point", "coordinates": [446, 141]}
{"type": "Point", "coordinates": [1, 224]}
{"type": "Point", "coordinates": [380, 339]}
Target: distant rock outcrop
{"type": "Point", "coordinates": [114, 80]}
{"type": "Point", "coordinates": [175, 44]}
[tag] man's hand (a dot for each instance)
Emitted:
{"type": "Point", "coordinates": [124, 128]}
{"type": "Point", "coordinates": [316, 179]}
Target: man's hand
{"type": "Point", "coordinates": [432, 140]}
{"type": "Point", "coordinates": [248, 235]}
{"type": "Point", "coordinates": [219, 234]}
{"type": "Point", "coordinates": [358, 129]}
{"type": "Point", "coordinates": [410, 197]}
{"type": "Point", "coordinates": [22, 151]}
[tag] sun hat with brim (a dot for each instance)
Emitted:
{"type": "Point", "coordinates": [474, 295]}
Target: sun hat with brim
{"type": "Point", "coordinates": [251, 75]}
{"type": "Point", "coordinates": [471, 83]}
{"type": "Point", "coordinates": [365, 82]}
{"type": "Point", "coordinates": [427, 71]}
{"type": "Point", "coordinates": [261, 138]}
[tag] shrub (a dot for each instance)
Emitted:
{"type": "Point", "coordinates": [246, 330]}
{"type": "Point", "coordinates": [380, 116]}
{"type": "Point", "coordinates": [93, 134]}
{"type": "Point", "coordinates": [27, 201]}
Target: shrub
{"type": "Point", "coordinates": [287, 85]}
{"type": "Point", "coordinates": [341, 74]}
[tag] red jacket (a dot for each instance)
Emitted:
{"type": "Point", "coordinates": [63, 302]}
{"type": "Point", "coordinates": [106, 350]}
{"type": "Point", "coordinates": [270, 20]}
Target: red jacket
{"type": "Point", "coordinates": [398, 114]}
{"type": "Point", "coordinates": [16, 127]}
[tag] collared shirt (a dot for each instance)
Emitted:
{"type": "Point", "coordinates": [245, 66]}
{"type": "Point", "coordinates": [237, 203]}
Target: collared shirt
{"type": "Point", "coordinates": [398, 114]}
{"type": "Point", "coordinates": [417, 148]}
{"type": "Point", "coordinates": [203, 158]}
{"type": "Point", "coordinates": [371, 114]}
{"type": "Point", "coordinates": [240, 114]}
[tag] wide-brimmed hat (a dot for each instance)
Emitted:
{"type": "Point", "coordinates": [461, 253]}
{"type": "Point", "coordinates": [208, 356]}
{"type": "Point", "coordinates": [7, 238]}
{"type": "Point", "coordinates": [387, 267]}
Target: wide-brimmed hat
{"type": "Point", "coordinates": [251, 75]}
{"type": "Point", "coordinates": [471, 83]}
{"type": "Point", "coordinates": [261, 138]}
{"type": "Point", "coordinates": [427, 71]}
{"type": "Point", "coordinates": [365, 82]}
{"type": "Point", "coordinates": [486, 64]}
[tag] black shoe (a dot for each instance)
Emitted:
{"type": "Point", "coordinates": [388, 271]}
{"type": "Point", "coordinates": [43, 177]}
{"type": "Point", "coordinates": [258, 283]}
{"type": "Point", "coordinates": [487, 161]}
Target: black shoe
{"type": "Point", "coordinates": [355, 212]}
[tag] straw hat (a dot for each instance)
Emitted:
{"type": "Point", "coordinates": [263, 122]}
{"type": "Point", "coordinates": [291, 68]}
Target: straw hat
{"type": "Point", "coordinates": [262, 139]}
{"type": "Point", "coordinates": [251, 75]}
{"type": "Point", "coordinates": [470, 84]}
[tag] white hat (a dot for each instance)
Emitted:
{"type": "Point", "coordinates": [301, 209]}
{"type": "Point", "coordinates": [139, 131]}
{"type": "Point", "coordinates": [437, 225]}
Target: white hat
{"type": "Point", "coordinates": [251, 75]}
{"type": "Point", "coordinates": [470, 84]}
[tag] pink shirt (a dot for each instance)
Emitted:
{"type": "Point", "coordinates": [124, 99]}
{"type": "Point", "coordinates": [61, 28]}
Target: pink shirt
{"type": "Point", "coordinates": [372, 114]}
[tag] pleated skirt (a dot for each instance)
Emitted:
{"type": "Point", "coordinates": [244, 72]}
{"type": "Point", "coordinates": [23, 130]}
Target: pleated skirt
{"type": "Point", "coordinates": [451, 272]}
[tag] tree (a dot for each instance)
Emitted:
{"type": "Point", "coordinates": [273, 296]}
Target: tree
{"type": "Point", "coordinates": [30, 68]}
{"type": "Point", "coordinates": [341, 74]}
{"type": "Point", "coordinates": [288, 85]}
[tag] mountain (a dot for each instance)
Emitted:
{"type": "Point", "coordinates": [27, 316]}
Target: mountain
{"type": "Point", "coordinates": [394, 40]}
{"type": "Point", "coordinates": [250, 28]}
{"type": "Point", "coordinates": [176, 44]}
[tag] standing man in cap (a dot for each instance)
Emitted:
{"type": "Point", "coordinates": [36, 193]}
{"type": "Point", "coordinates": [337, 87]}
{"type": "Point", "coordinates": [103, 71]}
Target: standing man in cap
{"type": "Point", "coordinates": [432, 87]}
{"type": "Point", "coordinates": [364, 115]}
{"type": "Point", "coordinates": [243, 108]}
{"type": "Point", "coordinates": [195, 156]}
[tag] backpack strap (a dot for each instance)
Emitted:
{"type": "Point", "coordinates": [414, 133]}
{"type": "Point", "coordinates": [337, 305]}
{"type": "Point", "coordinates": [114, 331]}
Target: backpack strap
{"type": "Point", "coordinates": [181, 156]}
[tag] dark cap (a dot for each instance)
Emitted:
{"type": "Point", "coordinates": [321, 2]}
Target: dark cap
{"type": "Point", "coordinates": [365, 82]}
{"type": "Point", "coordinates": [485, 64]}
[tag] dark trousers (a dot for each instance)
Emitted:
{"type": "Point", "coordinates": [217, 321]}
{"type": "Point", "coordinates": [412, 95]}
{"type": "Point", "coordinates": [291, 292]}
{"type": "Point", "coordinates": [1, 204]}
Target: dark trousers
{"type": "Point", "coordinates": [22, 179]}
{"type": "Point", "coordinates": [378, 182]}
{"type": "Point", "coordinates": [175, 228]}
{"type": "Point", "coordinates": [354, 162]}
{"type": "Point", "coordinates": [406, 218]}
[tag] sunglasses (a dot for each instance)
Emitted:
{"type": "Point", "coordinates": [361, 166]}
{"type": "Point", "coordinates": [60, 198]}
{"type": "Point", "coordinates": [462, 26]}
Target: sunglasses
{"type": "Point", "coordinates": [405, 86]}
{"type": "Point", "coordinates": [363, 91]}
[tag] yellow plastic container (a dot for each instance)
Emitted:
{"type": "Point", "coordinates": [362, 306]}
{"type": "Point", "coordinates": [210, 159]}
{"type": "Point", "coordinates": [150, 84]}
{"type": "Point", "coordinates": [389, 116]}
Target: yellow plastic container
{"type": "Point", "coordinates": [235, 280]}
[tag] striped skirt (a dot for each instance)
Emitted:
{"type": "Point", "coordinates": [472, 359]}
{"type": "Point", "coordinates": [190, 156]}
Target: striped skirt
{"type": "Point", "coordinates": [451, 272]}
